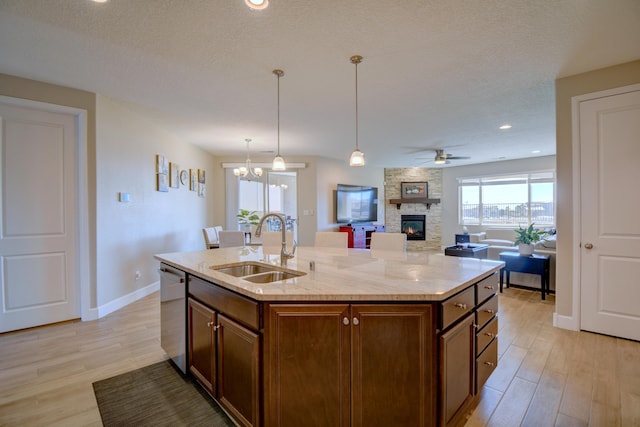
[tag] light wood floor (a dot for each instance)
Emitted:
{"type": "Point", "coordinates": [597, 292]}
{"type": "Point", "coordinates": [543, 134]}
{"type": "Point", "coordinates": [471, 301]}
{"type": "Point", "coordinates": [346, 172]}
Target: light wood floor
{"type": "Point", "coordinates": [545, 376]}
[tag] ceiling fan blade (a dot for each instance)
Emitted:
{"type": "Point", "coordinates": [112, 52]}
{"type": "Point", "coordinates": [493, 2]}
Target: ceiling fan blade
{"type": "Point", "coordinates": [457, 157]}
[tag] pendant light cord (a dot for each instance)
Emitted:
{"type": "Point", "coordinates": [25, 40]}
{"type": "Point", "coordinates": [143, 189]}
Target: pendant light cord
{"type": "Point", "coordinates": [356, 105]}
{"type": "Point", "coordinates": [278, 74]}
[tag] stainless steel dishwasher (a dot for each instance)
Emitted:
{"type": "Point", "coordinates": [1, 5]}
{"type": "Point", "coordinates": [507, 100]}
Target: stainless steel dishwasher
{"type": "Point", "coordinates": [173, 328]}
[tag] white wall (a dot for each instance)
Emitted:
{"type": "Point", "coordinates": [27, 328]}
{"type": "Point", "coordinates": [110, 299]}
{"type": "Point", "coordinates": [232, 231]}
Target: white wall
{"type": "Point", "coordinates": [450, 175]}
{"type": "Point", "coordinates": [129, 234]}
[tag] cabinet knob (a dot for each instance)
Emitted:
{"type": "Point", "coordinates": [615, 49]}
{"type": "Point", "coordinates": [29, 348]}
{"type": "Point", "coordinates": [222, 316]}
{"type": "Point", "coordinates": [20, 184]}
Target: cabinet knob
{"type": "Point", "coordinates": [489, 334]}
{"type": "Point", "coordinates": [345, 321]}
{"type": "Point", "coordinates": [588, 246]}
{"type": "Point", "coordinates": [460, 305]}
{"type": "Point", "coordinates": [489, 363]}
{"type": "Point", "coordinates": [490, 311]}
{"type": "Point", "coordinates": [356, 321]}
{"type": "Point", "coordinates": [209, 324]}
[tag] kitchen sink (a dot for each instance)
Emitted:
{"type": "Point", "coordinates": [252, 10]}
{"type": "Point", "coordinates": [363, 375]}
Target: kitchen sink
{"type": "Point", "coordinates": [256, 272]}
{"type": "Point", "coordinates": [244, 269]}
{"type": "Point", "coordinates": [271, 276]}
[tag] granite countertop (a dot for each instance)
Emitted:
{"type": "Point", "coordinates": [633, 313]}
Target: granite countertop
{"type": "Point", "coordinates": [341, 274]}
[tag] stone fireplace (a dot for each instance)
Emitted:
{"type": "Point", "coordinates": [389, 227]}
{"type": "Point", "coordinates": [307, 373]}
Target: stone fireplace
{"type": "Point", "coordinates": [413, 226]}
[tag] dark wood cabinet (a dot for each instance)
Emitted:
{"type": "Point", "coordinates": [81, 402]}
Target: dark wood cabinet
{"type": "Point", "coordinates": [238, 352]}
{"type": "Point", "coordinates": [224, 353]}
{"type": "Point", "coordinates": [359, 365]}
{"type": "Point", "coordinates": [202, 344]}
{"type": "Point", "coordinates": [457, 350]}
{"type": "Point", "coordinates": [359, 236]}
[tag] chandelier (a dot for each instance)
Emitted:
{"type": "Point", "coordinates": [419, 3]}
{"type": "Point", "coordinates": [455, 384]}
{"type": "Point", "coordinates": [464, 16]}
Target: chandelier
{"type": "Point", "coordinates": [247, 170]}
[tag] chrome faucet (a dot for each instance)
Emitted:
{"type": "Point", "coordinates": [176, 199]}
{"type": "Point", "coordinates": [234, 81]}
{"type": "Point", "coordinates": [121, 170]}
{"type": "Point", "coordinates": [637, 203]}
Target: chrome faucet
{"type": "Point", "coordinates": [284, 255]}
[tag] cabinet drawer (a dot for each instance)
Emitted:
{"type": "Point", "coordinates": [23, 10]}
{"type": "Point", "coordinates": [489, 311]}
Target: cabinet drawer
{"type": "Point", "coordinates": [485, 335]}
{"type": "Point", "coordinates": [237, 307]}
{"type": "Point", "coordinates": [457, 306]}
{"type": "Point", "coordinates": [486, 363]}
{"type": "Point", "coordinates": [487, 287]}
{"type": "Point", "coordinates": [486, 311]}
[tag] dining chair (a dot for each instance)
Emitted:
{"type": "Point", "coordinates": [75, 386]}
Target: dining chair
{"type": "Point", "coordinates": [389, 241]}
{"type": "Point", "coordinates": [211, 239]}
{"type": "Point", "coordinates": [331, 239]}
{"type": "Point", "coordinates": [230, 238]}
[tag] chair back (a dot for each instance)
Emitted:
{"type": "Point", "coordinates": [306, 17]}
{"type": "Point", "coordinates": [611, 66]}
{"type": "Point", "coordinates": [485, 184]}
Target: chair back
{"type": "Point", "coordinates": [274, 238]}
{"type": "Point", "coordinates": [210, 237]}
{"type": "Point", "coordinates": [331, 239]}
{"type": "Point", "coordinates": [388, 241]}
{"type": "Point", "coordinates": [230, 238]}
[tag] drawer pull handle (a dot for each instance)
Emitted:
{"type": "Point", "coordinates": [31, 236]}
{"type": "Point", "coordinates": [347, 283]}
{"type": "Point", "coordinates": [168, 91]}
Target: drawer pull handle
{"type": "Point", "coordinates": [489, 287]}
{"type": "Point", "coordinates": [356, 321]}
{"type": "Point", "coordinates": [460, 305]}
{"type": "Point", "coordinates": [489, 334]}
{"type": "Point", "coordinates": [490, 311]}
{"type": "Point", "coordinates": [489, 363]}
{"type": "Point", "coordinates": [345, 321]}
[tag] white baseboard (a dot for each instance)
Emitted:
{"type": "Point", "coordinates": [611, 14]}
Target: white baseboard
{"type": "Point", "coordinates": [565, 322]}
{"type": "Point", "coordinates": [123, 301]}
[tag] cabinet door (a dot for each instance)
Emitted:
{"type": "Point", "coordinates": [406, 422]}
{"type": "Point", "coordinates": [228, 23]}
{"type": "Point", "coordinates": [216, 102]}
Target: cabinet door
{"type": "Point", "coordinates": [306, 365]}
{"type": "Point", "coordinates": [238, 371]}
{"type": "Point", "coordinates": [202, 321]}
{"type": "Point", "coordinates": [457, 369]}
{"type": "Point", "coordinates": [393, 365]}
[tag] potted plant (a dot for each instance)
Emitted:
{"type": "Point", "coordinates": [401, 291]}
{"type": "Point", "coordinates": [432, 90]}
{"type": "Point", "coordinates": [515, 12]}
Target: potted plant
{"type": "Point", "coordinates": [247, 218]}
{"type": "Point", "coordinates": [526, 238]}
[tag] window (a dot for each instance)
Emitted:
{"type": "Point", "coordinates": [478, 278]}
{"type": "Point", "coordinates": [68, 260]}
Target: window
{"type": "Point", "coordinates": [272, 192]}
{"type": "Point", "coordinates": [507, 200]}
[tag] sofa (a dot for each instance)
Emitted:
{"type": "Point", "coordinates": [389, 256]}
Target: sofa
{"type": "Point", "coordinates": [502, 240]}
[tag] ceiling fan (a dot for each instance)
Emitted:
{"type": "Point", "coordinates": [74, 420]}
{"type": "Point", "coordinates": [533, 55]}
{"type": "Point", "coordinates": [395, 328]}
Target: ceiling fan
{"type": "Point", "coordinates": [442, 158]}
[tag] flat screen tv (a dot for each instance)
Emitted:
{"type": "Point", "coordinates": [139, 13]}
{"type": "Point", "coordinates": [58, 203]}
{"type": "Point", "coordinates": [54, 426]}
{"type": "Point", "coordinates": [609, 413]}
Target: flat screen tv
{"type": "Point", "coordinates": [356, 203]}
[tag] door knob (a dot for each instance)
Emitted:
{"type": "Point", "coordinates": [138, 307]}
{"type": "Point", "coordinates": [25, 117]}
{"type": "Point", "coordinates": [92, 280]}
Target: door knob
{"type": "Point", "coordinates": [588, 246]}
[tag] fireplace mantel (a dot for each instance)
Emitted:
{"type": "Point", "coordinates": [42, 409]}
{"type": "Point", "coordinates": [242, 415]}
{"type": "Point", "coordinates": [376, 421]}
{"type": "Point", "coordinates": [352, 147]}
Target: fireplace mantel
{"type": "Point", "coordinates": [426, 202]}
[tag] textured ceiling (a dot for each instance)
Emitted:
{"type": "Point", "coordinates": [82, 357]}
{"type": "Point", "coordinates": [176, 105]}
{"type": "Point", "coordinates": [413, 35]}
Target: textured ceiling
{"type": "Point", "coordinates": [443, 73]}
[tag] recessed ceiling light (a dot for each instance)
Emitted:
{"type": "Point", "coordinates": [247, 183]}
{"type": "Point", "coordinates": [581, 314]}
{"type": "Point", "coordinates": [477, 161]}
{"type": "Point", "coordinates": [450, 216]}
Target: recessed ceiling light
{"type": "Point", "coordinates": [257, 4]}
{"type": "Point", "coordinates": [535, 151]}
{"type": "Point", "coordinates": [100, 1]}
{"type": "Point", "coordinates": [505, 127]}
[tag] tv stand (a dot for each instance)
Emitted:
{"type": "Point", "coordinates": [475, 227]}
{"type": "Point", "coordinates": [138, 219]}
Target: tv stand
{"type": "Point", "coordinates": [359, 235]}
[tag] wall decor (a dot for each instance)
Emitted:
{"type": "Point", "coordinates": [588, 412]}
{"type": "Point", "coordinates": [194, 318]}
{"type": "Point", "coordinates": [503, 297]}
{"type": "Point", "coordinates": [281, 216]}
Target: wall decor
{"type": "Point", "coordinates": [162, 164]}
{"type": "Point", "coordinates": [162, 182]}
{"type": "Point", "coordinates": [201, 183]}
{"type": "Point", "coordinates": [193, 183]}
{"type": "Point", "coordinates": [184, 177]}
{"type": "Point", "coordinates": [174, 171]}
{"type": "Point", "coordinates": [413, 190]}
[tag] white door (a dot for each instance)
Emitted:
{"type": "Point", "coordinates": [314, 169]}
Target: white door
{"type": "Point", "coordinates": [610, 219]}
{"type": "Point", "coordinates": [38, 164]}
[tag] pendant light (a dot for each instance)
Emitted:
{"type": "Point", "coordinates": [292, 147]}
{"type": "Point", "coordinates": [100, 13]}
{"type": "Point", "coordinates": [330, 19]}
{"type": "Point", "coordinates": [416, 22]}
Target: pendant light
{"type": "Point", "coordinates": [357, 157]}
{"type": "Point", "coordinates": [246, 170]}
{"type": "Point", "coordinates": [278, 161]}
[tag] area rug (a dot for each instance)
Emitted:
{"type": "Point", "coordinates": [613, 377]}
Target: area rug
{"type": "Point", "coordinates": [156, 395]}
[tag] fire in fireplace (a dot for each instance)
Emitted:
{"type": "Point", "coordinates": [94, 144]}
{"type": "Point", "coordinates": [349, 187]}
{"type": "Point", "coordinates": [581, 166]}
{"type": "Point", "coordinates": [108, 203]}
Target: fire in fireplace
{"type": "Point", "coordinates": [413, 226]}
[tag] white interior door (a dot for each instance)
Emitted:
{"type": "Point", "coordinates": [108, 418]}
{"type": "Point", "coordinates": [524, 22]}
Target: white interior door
{"type": "Point", "coordinates": [38, 164]}
{"type": "Point", "coordinates": [610, 223]}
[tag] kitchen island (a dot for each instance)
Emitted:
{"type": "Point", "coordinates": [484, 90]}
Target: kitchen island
{"type": "Point", "coordinates": [353, 338]}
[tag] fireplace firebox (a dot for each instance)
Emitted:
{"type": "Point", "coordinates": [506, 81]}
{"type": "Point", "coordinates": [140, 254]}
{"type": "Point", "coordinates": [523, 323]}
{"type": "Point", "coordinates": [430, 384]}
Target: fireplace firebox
{"type": "Point", "coordinates": [413, 226]}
